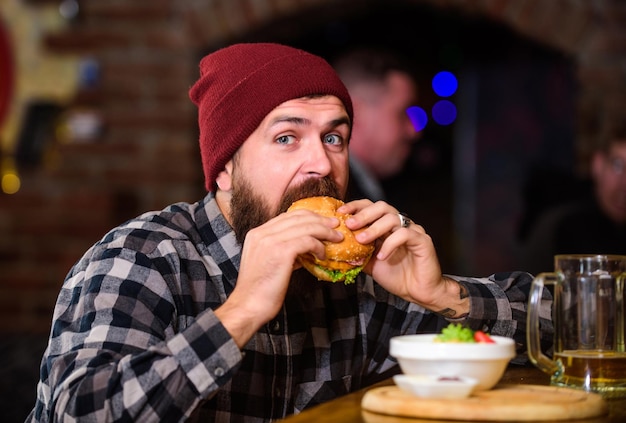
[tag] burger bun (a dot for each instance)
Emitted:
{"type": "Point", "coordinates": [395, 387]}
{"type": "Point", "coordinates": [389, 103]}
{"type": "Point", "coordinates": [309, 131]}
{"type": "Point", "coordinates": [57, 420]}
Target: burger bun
{"type": "Point", "coordinates": [341, 257]}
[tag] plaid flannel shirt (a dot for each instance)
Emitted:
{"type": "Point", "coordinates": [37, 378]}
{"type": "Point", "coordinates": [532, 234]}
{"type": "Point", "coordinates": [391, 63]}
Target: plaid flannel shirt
{"type": "Point", "coordinates": [135, 338]}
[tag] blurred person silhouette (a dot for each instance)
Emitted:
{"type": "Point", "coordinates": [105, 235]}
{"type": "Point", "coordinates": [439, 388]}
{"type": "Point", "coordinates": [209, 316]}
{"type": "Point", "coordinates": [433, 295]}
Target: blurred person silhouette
{"type": "Point", "coordinates": [382, 88]}
{"type": "Point", "coordinates": [593, 223]}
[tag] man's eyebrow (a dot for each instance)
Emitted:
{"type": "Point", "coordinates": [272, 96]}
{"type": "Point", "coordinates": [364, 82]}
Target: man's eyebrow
{"type": "Point", "coordinates": [290, 119]}
{"type": "Point", "coordinates": [344, 120]}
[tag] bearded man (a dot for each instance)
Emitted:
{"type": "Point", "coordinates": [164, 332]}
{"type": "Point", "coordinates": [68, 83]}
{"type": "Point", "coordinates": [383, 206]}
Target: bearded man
{"type": "Point", "coordinates": [199, 312]}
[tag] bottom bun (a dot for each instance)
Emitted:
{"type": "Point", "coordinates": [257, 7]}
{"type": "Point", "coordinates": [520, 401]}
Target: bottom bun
{"type": "Point", "coordinates": [316, 270]}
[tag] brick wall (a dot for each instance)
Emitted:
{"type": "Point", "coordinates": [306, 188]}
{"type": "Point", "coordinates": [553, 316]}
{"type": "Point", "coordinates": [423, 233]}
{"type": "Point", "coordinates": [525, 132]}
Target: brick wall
{"type": "Point", "coordinates": [145, 158]}
{"type": "Point", "coordinates": [147, 155]}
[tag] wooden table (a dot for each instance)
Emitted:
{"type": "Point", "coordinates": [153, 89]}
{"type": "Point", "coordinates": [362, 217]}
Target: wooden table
{"type": "Point", "coordinates": [347, 409]}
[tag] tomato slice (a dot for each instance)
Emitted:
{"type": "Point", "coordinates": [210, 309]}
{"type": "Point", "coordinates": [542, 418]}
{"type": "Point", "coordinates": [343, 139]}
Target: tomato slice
{"type": "Point", "coordinates": [480, 336]}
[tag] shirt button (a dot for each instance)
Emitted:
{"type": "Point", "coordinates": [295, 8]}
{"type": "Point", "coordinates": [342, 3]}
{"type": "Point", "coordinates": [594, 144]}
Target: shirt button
{"type": "Point", "coordinates": [218, 371]}
{"type": "Point", "coordinates": [277, 392]}
{"type": "Point", "coordinates": [275, 326]}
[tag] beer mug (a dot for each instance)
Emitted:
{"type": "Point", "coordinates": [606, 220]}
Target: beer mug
{"type": "Point", "coordinates": [588, 317]}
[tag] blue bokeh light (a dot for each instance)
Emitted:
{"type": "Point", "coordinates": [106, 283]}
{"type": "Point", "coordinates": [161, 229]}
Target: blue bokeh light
{"type": "Point", "coordinates": [445, 84]}
{"type": "Point", "coordinates": [444, 112]}
{"type": "Point", "coordinates": [418, 117]}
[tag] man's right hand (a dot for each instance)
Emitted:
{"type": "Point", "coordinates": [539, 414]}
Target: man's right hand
{"type": "Point", "coordinates": [268, 258]}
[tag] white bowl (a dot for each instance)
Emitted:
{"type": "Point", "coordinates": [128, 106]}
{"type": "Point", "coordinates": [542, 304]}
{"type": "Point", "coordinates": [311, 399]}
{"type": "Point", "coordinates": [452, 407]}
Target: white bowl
{"type": "Point", "coordinates": [486, 362]}
{"type": "Point", "coordinates": [436, 386]}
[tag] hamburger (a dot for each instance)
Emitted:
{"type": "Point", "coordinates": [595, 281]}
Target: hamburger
{"type": "Point", "coordinates": [345, 259]}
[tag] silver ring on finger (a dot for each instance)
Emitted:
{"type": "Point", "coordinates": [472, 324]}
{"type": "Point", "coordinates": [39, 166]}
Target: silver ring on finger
{"type": "Point", "coordinates": [405, 221]}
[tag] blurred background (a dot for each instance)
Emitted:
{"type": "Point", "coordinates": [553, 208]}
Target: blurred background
{"type": "Point", "coordinates": [96, 126]}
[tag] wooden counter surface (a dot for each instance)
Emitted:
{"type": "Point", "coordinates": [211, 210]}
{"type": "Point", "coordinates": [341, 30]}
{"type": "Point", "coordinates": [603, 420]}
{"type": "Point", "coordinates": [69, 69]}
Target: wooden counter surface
{"type": "Point", "coordinates": [347, 409]}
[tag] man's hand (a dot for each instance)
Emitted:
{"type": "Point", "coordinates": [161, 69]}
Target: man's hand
{"type": "Point", "coordinates": [406, 262]}
{"type": "Point", "coordinates": [268, 258]}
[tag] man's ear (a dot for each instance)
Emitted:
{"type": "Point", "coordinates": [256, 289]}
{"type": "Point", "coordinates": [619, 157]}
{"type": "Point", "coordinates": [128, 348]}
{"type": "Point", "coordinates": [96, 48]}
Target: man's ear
{"type": "Point", "coordinates": [224, 179]}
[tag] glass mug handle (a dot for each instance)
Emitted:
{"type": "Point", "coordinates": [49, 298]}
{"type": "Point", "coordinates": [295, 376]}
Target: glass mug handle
{"type": "Point", "coordinates": [533, 332]}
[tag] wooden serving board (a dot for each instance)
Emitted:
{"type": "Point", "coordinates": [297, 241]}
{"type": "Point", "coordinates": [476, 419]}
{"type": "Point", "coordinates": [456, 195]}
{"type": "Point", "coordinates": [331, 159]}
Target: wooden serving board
{"type": "Point", "coordinates": [502, 403]}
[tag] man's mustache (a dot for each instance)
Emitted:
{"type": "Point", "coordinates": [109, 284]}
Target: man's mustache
{"type": "Point", "coordinates": [313, 187]}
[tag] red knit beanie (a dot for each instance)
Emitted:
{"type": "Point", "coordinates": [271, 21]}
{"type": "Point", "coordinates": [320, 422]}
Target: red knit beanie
{"type": "Point", "coordinates": [241, 84]}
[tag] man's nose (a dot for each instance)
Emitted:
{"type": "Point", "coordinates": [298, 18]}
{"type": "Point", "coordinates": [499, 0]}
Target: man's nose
{"type": "Point", "coordinates": [317, 160]}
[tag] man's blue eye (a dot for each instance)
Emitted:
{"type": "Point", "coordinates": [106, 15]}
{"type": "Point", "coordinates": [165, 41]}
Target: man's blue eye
{"type": "Point", "coordinates": [333, 139]}
{"type": "Point", "coordinates": [284, 139]}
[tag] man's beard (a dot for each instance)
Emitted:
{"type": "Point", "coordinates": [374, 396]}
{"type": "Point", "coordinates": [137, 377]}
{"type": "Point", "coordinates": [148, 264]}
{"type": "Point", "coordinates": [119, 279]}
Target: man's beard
{"type": "Point", "coordinates": [249, 210]}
